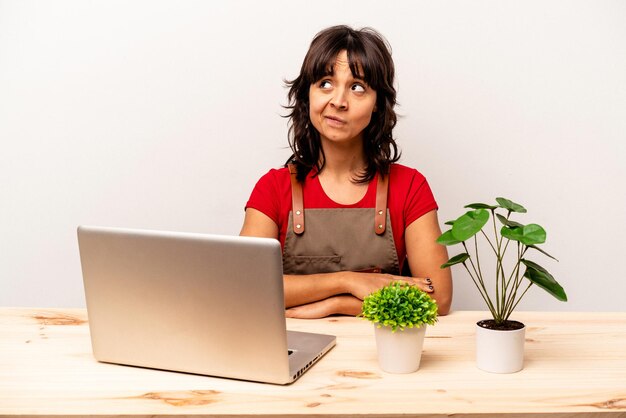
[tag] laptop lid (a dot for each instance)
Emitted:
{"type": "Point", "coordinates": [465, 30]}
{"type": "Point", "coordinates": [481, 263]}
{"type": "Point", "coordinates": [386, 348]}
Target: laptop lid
{"type": "Point", "coordinates": [196, 303]}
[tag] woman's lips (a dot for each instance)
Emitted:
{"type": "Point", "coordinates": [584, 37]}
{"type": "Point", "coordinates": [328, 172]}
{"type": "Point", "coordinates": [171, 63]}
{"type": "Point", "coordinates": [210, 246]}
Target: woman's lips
{"type": "Point", "coordinates": [334, 121]}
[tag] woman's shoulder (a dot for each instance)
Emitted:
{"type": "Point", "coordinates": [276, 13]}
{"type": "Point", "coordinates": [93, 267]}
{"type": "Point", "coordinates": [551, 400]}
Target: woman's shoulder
{"type": "Point", "coordinates": [278, 171]}
{"type": "Point", "coordinates": [409, 190]}
{"type": "Point", "coordinates": [276, 174]}
{"type": "Point", "coordinates": [274, 181]}
{"type": "Point", "coordinates": [270, 191]}
{"type": "Point", "coordinates": [400, 172]}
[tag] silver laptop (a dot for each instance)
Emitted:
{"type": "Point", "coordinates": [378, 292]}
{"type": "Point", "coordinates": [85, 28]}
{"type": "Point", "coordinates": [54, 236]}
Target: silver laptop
{"type": "Point", "coordinates": [195, 303]}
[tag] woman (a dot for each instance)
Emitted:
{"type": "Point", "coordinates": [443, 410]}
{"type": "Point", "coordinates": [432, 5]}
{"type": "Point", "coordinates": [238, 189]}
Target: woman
{"type": "Point", "coordinates": [348, 217]}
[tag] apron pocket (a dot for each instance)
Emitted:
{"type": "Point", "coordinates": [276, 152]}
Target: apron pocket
{"type": "Point", "coordinates": [305, 264]}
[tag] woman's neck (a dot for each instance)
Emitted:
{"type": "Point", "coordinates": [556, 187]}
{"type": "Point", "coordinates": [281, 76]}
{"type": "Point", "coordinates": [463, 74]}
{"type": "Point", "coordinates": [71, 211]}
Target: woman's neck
{"type": "Point", "coordinates": [343, 161]}
{"type": "Point", "coordinates": [338, 178]}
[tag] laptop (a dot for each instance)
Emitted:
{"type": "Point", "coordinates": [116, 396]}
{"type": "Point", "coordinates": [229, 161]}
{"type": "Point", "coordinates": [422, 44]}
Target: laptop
{"type": "Point", "coordinates": [194, 303]}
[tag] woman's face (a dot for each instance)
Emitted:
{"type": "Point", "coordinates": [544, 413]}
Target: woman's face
{"type": "Point", "coordinates": [341, 106]}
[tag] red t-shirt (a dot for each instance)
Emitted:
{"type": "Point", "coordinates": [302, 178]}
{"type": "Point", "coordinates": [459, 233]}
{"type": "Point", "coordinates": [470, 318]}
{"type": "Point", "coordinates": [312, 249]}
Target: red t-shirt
{"type": "Point", "coordinates": [409, 197]}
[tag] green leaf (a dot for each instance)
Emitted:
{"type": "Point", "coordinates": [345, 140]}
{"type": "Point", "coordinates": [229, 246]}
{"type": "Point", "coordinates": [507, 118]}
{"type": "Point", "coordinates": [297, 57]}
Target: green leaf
{"type": "Point", "coordinates": [514, 233]}
{"type": "Point", "coordinates": [480, 206]}
{"type": "Point", "coordinates": [528, 234]}
{"type": "Point", "coordinates": [449, 223]}
{"type": "Point", "coordinates": [533, 265]}
{"type": "Point", "coordinates": [510, 205]}
{"type": "Point", "coordinates": [533, 234]}
{"type": "Point", "coordinates": [540, 276]}
{"type": "Point", "coordinates": [447, 239]}
{"type": "Point", "coordinates": [507, 222]}
{"type": "Point", "coordinates": [460, 258]}
{"type": "Point", "coordinates": [541, 251]}
{"type": "Point", "coordinates": [469, 224]}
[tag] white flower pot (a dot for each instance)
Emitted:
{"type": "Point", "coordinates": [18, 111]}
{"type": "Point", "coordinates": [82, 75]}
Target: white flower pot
{"type": "Point", "coordinates": [500, 351]}
{"type": "Point", "coordinates": [400, 351]}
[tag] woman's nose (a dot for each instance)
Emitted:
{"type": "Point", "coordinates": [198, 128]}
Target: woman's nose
{"type": "Point", "coordinates": [339, 99]}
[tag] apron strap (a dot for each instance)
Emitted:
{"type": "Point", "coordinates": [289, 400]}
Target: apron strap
{"type": "Point", "coordinates": [380, 218]}
{"type": "Point", "coordinates": [297, 203]}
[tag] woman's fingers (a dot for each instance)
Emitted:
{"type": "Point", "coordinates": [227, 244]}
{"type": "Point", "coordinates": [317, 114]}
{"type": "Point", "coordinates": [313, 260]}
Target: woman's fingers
{"type": "Point", "coordinates": [363, 284]}
{"type": "Point", "coordinates": [424, 283]}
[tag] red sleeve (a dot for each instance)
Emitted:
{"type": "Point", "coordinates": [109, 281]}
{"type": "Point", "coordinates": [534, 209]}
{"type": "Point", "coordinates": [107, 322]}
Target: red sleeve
{"type": "Point", "coordinates": [264, 196]}
{"type": "Point", "coordinates": [419, 200]}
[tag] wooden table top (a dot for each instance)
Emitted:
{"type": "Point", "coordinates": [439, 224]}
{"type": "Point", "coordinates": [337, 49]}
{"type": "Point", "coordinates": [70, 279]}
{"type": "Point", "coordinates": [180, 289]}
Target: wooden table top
{"type": "Point", "coordinates": [575, 365]}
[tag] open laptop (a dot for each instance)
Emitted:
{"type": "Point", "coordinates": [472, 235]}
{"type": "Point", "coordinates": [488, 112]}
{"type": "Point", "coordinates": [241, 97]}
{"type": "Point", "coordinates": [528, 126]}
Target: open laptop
{"type": "Point", "coordinates": [195, 303]}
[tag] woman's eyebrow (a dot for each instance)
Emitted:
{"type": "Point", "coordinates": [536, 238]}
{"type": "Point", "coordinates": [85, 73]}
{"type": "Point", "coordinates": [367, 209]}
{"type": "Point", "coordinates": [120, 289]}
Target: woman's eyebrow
{"type": "Point", "coordinates": [358, 76]}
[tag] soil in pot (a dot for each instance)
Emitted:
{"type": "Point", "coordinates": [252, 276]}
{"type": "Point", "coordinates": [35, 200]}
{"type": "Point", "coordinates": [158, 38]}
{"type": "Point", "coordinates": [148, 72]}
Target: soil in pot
{"type": "Point", "coordinates": [504, 326]}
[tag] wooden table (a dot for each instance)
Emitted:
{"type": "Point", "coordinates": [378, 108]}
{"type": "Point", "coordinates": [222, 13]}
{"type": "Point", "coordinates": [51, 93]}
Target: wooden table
{"type": "Point", "coordinates": [575, 365]}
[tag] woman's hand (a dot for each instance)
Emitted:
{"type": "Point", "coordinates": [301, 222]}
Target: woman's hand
{"type": "Point", "coordinates": [305, 292]}
{"type": "Point", "coordinates": [358, 285]}
{"type": "Point", "coordinates": [361, 285]}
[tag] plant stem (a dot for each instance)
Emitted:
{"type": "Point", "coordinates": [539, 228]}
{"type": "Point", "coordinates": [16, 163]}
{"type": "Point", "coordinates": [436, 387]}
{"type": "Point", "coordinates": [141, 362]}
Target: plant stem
{"type": "Point", "coordinates": [515, 268]}
{"type": "Point", "coordinates": [499, 269]}
{"type": "Point", "coordinates": [479, 282]}
{"type": "Point", "coordinates": [518, 280]}
{"type": "Point", "coordinates": [496, 253]}
{"type": "Point", "coordinates": [518, 301]}
{"type": "Point", "coordinates": [482, 291]}
{"type": "Point", "coordinates": [506, 296]}
{"type": "Point", "coordinates": [506, 285]}
{"type": "Point", "coordinates": [480, 272]}
{"type": "Point", "coordinates": [488, 240]}
{"type": "Point", "coordinates": [480, 278]}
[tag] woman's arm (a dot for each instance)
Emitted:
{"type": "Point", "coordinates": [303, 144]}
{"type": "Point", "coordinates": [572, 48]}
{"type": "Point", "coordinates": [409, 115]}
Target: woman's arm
{"type": "Point", "coordinates": [325, 293]}
{"type": "Point", "coordinates": [335, 305]}
{"type": "Point", "coordinates": [425, 257]}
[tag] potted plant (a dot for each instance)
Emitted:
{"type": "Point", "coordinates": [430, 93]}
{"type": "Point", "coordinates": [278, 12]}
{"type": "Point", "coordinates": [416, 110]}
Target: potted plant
{"type": "Point", "coordinates": [500, 340]}
{"type": "Point", "coordinates": [400, 313]}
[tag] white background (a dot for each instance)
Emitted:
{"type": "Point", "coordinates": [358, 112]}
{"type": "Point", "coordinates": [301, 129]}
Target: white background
{"type": "Point", "coordinates": [163, 114]}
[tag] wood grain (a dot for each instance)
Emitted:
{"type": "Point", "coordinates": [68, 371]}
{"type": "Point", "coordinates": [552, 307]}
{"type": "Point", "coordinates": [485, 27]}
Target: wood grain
{"type": "Point", "coordinates": [575, 366]}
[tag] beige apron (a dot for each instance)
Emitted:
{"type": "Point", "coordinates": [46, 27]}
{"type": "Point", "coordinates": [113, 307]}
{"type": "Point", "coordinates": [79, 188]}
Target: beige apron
{"type": "Point", "coordinates": [347, 239]}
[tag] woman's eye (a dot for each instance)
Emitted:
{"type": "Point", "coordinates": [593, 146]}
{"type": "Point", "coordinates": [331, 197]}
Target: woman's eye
{"type": "Point", "coordinates": [325, 84]}
{"type": "Point", "coordinates": [358, 88]}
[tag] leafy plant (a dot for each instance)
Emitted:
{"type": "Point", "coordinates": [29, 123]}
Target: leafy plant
{"type": "Point", "coordinates": [507, 284]}
{"type": "Point", "coordinates": [399, 305]}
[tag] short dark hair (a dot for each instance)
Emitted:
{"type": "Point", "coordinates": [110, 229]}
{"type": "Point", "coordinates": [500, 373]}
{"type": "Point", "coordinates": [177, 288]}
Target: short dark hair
{"type": "Point", "coordinates": [369, 57]}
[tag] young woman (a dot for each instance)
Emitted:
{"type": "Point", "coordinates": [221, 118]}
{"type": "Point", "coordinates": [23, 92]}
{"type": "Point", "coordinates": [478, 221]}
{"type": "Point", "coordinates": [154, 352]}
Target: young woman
{"type": "Point", "coordinates": [348, 217]}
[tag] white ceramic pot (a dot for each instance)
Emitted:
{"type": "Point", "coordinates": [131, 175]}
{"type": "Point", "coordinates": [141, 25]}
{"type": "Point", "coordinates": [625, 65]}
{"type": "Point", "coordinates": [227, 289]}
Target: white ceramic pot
{"type": "Point", "coordinates": [400, 351]}
{"type": "Point", "coordinates": [500, 351]}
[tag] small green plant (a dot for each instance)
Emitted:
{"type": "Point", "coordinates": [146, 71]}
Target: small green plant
{"type": "Point", "coordinates": [507, 284]}
{"type": "Point", "coordinates": [399, 305]}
